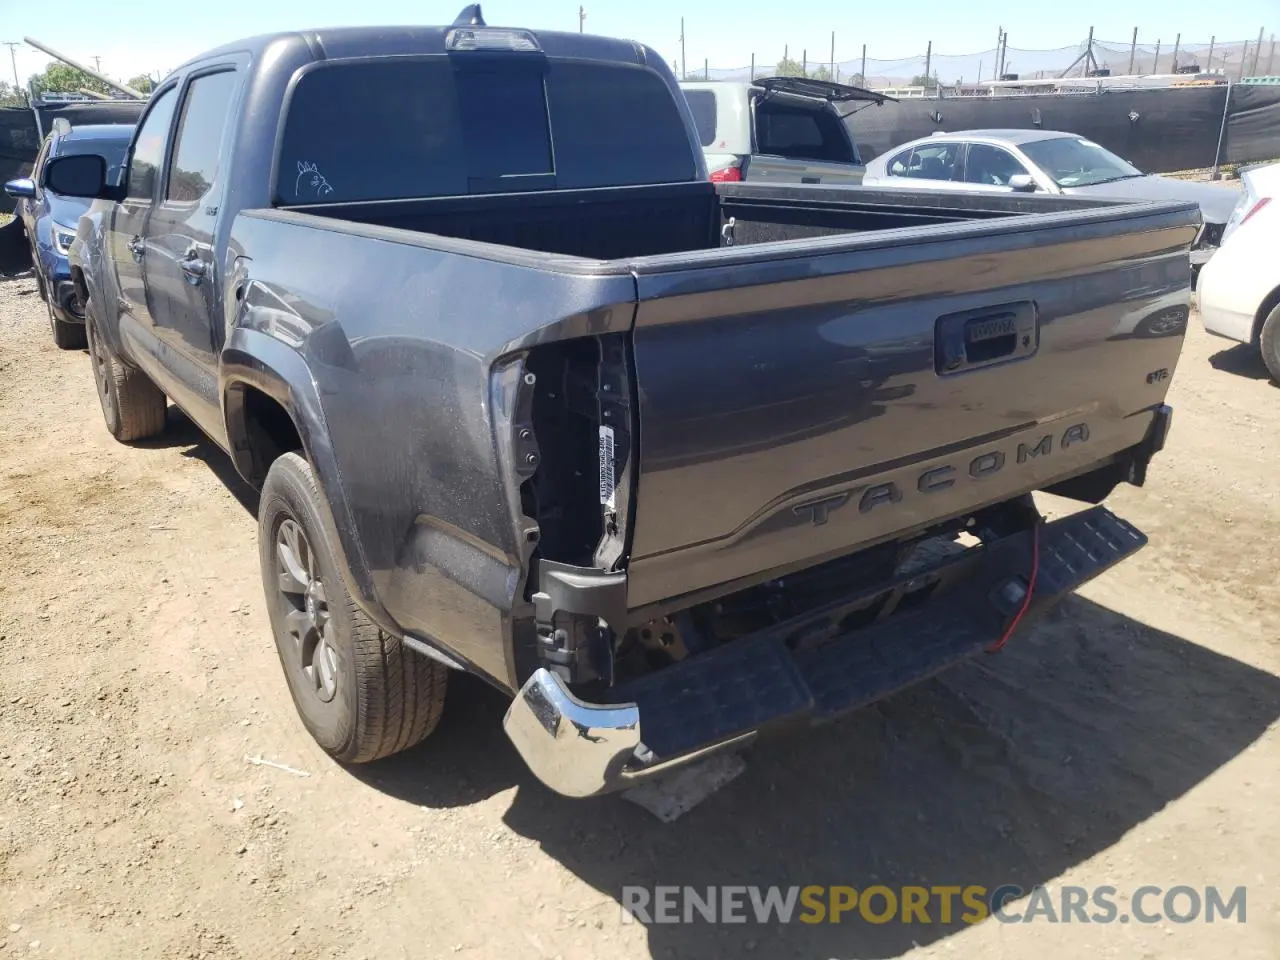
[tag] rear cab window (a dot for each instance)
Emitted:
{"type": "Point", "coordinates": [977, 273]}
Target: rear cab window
{"type": "Point", "coordinates": [802, 130]}
{"type": "Point", "coordinates": [440, 125]}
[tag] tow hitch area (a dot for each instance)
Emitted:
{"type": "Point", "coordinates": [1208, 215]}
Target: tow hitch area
{"type": "Point", "coordinates": [724, 697]}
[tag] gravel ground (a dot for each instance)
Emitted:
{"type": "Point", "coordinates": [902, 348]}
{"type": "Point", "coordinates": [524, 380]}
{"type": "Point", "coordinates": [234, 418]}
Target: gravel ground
{"type": "Point", "coordinates": [1130, 738]}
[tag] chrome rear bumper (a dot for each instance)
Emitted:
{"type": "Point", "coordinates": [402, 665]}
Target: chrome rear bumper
{"type": "Point", "coordinates": [723, 698]}
{"type": "Point", "coordinates": [582, 749]}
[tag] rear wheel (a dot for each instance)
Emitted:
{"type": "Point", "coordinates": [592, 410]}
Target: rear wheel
{"type": "Point", "coordinates": [1269, 343]}
{"type": "Point", "coordinates": [132, 406]}
{"type": "Point", "coordinates": [360, 692]}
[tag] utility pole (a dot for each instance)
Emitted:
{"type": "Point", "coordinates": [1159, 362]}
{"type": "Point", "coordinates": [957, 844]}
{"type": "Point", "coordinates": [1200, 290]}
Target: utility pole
{"type": "Point", "coordinates": [582, 17]}
{"type": "Point", "coordinates": [928, 63]}
{"type": "Point", "coordinates": [864, 64]}
{"type": "Point", "coordinates": [1155, 64]}
{"type": "Point", "coordinates": [1133, 49]}
{"type": "Point", "coordinates": [1089, 63]}
{"type": "Point", "coordinates": [684, 64]}
{"type": "Point", "coordinates": [1177, 44]}
{"type": "Point", "coordinates": [833, 55]}
{"type": "Point", "coordinates": [753, 66]}
{"type": "Point", "coordinates": [1244, 55]}
{"type": "Point", "coordinates": [1271, 54]}
{"type": "Point", "coordinates": [1209, 66]}
{"type": "Point", "coordinates": [97, 63]}
{"type": "Point", "coordinates": [13, 57]}
{"type": "Point", "coordinates": [1256, 50]}
{"type": "Point", "coordinates": [804, 62]}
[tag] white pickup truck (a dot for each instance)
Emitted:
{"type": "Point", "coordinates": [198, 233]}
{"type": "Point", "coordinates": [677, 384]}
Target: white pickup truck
{"type": "Point", "coordinates": [778, 129]}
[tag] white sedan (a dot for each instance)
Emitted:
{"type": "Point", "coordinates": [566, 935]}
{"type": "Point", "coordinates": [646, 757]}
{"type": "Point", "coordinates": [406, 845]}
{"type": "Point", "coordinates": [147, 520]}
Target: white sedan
{"type": "Point", "coordinates": [1239, 290]}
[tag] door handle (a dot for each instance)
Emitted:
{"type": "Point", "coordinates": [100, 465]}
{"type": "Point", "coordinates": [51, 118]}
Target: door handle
{"type": "Point", "coordinates": [986, 336]}
{"type": "Point", "coordinates": [193, 267]}
{"type": "Point", "coordinates": [137, 248]}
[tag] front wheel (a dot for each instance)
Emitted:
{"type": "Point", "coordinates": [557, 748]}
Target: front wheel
{"type": "Point", "coordinates": [132, 406]}
{"type": "Point", "coordinates": [68, 336]}
{"type": "Point", "coordinates": [361, 693]}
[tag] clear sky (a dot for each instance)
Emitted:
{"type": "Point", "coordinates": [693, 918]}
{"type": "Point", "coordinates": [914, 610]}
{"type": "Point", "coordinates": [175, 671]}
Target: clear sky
{"type": "Point", "coordinates": [156, 35]}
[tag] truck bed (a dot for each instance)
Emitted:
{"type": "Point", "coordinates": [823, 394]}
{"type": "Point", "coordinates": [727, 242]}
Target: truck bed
{"type": "Point", "coordinates": [623, 222]}
{"type": "Point", "coordinates": [855, 368]}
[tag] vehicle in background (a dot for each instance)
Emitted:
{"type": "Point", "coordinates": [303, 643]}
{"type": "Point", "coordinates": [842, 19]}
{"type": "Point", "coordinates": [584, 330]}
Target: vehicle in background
{"type": "Point", "coordinates": [436, 359]}
{"type": "Point", "coordinates": [778, 129]}
{"type": "Point", "coordinates": [1045, 161]}
{"type": "Point", "coordinates": [1239, 292]}
{"type": "Point", "coordinates": [49, 219]}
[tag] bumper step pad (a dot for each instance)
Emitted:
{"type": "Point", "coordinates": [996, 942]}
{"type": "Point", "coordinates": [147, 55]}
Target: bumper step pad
{"type": "Point", "coordinates": [758, 681]}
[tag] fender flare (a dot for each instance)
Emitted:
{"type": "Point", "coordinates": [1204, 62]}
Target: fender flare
{"type": "Point", "coordinates": [254, 359]}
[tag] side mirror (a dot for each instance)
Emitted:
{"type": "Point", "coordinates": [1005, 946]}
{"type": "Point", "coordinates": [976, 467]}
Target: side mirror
{"type": "Point", "coordinates": [22, 187]}
{"type": "Point", "coordinates": [1022, 183]}
{"type": "Point", "coordinates": [80, 175]}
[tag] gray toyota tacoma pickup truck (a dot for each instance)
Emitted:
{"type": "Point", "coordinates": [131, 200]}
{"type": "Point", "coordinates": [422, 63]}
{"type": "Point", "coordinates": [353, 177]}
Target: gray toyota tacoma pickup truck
{"type": "Point", "coordinates": [527, 396]}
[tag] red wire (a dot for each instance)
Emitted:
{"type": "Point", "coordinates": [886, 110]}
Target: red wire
{"type": "Point", "coordinates": [1031, 589]}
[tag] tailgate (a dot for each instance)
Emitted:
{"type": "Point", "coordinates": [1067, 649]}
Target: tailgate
{"type": "Point", "coordinates": [801, 399]}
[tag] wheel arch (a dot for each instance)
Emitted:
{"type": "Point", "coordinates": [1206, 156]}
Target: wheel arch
{"type": "Point", "coordinates": [270, 402]}
{"type": "Point", "coordinates": [1269, 303]}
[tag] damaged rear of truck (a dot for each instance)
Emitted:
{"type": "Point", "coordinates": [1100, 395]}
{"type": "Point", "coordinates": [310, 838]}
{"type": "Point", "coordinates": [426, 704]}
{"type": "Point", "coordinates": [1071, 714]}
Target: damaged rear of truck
{"type": "Point", "coordinates": [673, 500]}
{"type": "Point", "coordinates": [672, 462]}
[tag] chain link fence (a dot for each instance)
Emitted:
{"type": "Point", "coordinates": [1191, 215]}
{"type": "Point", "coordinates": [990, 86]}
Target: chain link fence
{"type": "Point", "coordinates": [1235, 59]}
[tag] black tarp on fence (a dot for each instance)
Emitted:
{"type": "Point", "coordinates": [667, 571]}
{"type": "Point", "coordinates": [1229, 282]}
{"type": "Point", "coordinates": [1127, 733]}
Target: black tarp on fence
{"type": "Point", "coordinates": [20, 139]}
{"type": "Point", "coordinates": [1157, 130]}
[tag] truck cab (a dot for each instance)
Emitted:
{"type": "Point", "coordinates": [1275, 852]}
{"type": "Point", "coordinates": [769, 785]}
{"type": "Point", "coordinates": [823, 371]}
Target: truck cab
{"type": "Point", "coordinates": [779, 129]}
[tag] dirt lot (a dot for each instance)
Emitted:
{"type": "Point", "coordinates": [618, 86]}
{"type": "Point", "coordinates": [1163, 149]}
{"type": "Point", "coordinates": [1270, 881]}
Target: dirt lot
{"type": "Point", "coordinates": [1129, 739]}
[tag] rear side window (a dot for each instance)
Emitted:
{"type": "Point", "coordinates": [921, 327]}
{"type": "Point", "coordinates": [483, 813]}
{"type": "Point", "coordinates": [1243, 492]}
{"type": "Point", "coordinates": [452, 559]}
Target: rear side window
{"type": "Point", "coordinates": [934, 161]}
{"type": "Point", "coordinates": [449, 126]}
{"type": "Point", "coordinates": [702, 103]}
{"type": "Point", "coordinates": [194, 169]}
{"type": "Point", "coordinates": [801, 132]}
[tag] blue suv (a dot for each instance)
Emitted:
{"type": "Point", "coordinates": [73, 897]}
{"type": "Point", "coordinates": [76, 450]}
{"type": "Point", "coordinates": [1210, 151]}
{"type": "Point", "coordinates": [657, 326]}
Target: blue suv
{"type": "Point", "coordinates": [49, 219]}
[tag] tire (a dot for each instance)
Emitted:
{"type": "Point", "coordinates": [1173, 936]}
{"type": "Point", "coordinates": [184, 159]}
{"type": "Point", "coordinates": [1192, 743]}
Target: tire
{"type": "Point", "coordinates": [1269, 343]}
{"type": "Point", "coordinates": [360, 692]}
{"type": "Point", "coordinates": [132, 406]}
{"type": "Point", "coordinates": [68, 336]}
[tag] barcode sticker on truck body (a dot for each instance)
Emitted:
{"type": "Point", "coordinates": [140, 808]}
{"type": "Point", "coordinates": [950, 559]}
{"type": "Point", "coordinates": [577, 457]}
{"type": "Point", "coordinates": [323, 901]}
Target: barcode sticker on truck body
{"type": "Point", "coordinates": [607, 485]}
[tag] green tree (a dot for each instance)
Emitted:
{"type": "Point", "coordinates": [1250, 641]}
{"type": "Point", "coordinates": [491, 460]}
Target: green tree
{"type": "Point", "coordinates": [790, 68]}
{"type": "Point", "coordinates": [920, 80]}
{"type": "Point", "coordinates": [142, 83]}
{"type": "Point", "coordinates": [11, 96]}
{"type": "Point", "coordinates": [61, 78]}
